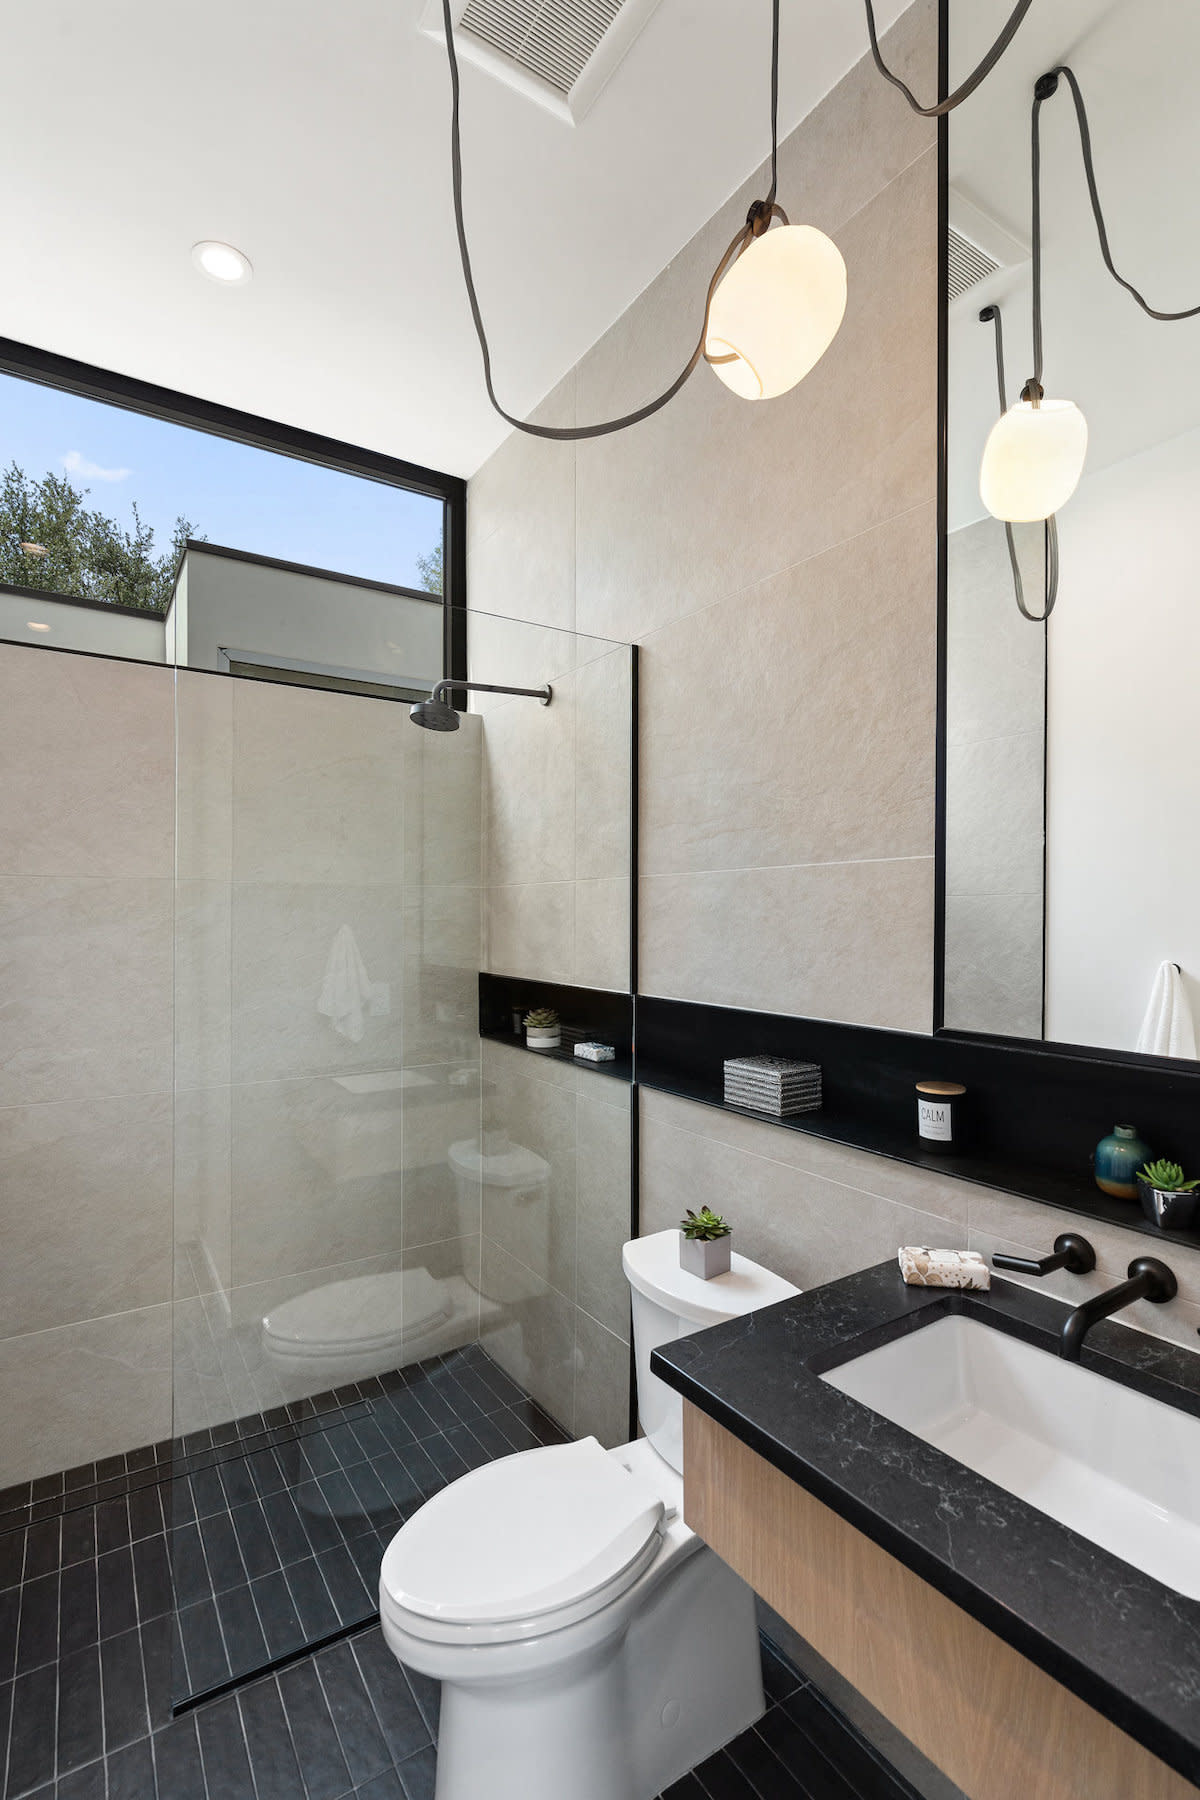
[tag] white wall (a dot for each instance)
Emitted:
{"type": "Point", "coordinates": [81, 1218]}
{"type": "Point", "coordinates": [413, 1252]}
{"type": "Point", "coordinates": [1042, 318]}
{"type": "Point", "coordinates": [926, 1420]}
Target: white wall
{"type": "Point", "coordinates": [105, 632]}
{"type": "Point", "coordinates": [1124, 759]}
{"type": "Point", "coordinates": [265, 611]}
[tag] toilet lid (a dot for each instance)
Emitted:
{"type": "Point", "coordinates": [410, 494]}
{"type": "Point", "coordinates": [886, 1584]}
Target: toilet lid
{"type": "Point", "coordinates": [367, 1311]}
{"type": "Point", "coordinates": [524, 1536]}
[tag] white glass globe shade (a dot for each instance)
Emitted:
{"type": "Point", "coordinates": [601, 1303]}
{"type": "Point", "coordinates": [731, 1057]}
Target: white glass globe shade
{"type": "Point", "coordinates": [777, 311]}
{"type": "Point", "coordinates": [1032, 460]}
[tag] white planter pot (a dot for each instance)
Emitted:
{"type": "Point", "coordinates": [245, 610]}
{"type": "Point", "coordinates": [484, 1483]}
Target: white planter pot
{"type": "Point", "coordinates": [543, 1040]}
{"type": "Point", "coordinates": [705, 1257]}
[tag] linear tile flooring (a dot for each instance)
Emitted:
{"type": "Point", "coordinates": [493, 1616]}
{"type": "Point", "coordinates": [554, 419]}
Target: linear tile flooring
{"type": "Point", "coordinates": [89, 1675]}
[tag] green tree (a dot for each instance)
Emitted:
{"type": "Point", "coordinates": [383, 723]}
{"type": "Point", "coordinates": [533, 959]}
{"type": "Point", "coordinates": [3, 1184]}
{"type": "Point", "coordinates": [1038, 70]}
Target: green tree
{"type": "Point", "coordinates": [79, 551]}
{"type": "Point", "coordinates": [430, 569]}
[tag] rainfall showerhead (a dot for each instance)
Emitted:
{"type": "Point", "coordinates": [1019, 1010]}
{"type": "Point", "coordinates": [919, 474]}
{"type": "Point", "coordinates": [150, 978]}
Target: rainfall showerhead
{"type": "Point", "coordinates": [435, 715]}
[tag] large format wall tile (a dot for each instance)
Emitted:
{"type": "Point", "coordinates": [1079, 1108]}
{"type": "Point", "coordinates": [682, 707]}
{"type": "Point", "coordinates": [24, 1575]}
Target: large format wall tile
{"type": "Point", "coordinates": [529, 789]}
{"type": "Point", "coordinates": [85, 1210]}
{"type": "Point", "coordinates": [443, 953]}
{"type": "Point", "coordinates": [440, 1108]}
{"type": "Point", "coordinates": [203, 983]}
{"type": "Point", "coordinates": [534, 1222]}
{"type": "Point", "coordinates": [803, 1226]}
{"type": "Point", "coordinates": [282, 937]}
{"type": "Point", "coordinates": [602, 933]}
{"type": "Point", "coordinates": [847, 941]}
{"type": "Point", "coordinates": [203, 1201]}
{"type": "Point", "coordinates": [530, 930]}
{"type": "Point", "coordinates": [203, 775]}
{"type": "Point", "coordinates": [854, 444]}
{"type": "Point", "coordinates": [316, 1174]}
{"type": "Point", "coordinates": [443, 802]}
{"type": "Point", "coordinates": [318, 786]}
{"type": "Point", "coordinates": [603, 1210]}
{"type": "Point", "coordinates": [84, 1391]}
{"type": "Point", "coordinates": [85, 969]}
{"type": "Point", "coordinates": [602, 1383]}
{"type": "Point", "coordinates": [521, 525]}
{"type": "Point", "coordinates": [87, 746]}
{"type": "Point", "coordinates": [604, 726]}
{"type": "Point", "coordinates": [529, 1327]}
{"type": "Point", "coordinates": [793, 723]}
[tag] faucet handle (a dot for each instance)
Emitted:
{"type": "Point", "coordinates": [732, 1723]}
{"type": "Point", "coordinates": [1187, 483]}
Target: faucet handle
{"type": "Point", "coordinates": [1071, 1252]}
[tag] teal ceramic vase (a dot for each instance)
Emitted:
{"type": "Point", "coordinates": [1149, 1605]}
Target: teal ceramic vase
{"type": "Point", "coordinates": [1118, 1158]}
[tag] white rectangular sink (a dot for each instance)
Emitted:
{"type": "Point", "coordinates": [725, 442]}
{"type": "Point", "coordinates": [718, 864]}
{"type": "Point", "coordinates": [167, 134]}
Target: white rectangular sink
{"type": "Point", "coordinates": [1117, 1467]}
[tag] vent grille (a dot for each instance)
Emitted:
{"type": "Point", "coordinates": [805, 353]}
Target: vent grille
{"type": "Point", "coordinates": [552, 39]}
{"type": "Point", "coordinates": [967, 263]}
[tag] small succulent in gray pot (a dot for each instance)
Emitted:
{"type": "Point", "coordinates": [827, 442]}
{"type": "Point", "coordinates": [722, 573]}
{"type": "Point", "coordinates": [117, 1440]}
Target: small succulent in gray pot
{"type": "Point", "coordinates": [542, 1029]}
{"type": "Point", "coordinates": [1168, 1199]}
{"type": "Point", "coordinates": [705, 1243]}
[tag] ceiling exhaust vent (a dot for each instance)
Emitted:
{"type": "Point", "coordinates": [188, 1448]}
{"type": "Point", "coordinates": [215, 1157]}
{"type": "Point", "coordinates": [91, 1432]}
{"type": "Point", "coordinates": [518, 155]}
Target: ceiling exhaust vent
{"type": "Point", "coordinates": [977, 247]}
{"type": "Point", "coordinates": [966, 263]}
{"type": "Point", "coordinates": [557, 52]}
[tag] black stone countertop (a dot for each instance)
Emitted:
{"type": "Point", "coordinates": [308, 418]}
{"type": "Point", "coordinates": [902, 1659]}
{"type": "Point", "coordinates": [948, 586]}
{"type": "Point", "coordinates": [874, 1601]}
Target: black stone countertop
{"type": "Point", "coordinates": [1122, 1641]}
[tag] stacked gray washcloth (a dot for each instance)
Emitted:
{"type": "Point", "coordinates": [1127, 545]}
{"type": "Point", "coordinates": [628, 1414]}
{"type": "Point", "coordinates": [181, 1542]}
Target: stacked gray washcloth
{"type": "Point", "coordinates": [773, 1084]}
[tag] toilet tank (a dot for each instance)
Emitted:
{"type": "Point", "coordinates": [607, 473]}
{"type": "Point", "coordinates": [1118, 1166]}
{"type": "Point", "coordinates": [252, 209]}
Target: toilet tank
{"type": "Point", "coordinates": [670, 1303]}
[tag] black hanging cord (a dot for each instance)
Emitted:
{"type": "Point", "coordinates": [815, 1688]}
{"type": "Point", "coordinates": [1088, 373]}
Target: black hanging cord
{"type": "Point", "coordinates": [757, 221]}
{"type": "Point", "coordinates": [991, 315]}
{"type": "Point", "coordinates": [1045, 87]}
{"type": "Point", "coordinates": [966, 88]}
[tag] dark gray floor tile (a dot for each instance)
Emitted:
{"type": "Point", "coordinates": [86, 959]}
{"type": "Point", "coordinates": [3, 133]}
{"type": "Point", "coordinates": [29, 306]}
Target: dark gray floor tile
{"type": "Point", "coordinates": [225, 1566]}
{"type": "Point", "coordinates": [78, 1614]}
{"type": "Point", "coordinates": [445, 1458]}
{"type": "Point", "coordinates": [347, 1590]}
{"type": "Point", "coordinates": [112, 1525]}
{"type": "Point", "coordinates": [722, 1779]}
{"type": "Point", "coordinates": [245, 1642]}
{"type": "Point", "coordinates": [687, 1789]}
{"type": "Point", "coordinates": [10, 1615]}
{"type": "Point", "coordinates": [118, 1602]}
{"type": "Point", "coordinates": [277, 1611]}
{"type": "Point", "coordinates": [254, 1539]}
{"type": "Point", "coordinates": [203, 1646]}
{"type": "Point", "coordinates": [266, 1473]}
{"type": "Point", "coordinates": [287, 1528]}
{"type": "Point", "coordinates": [151, 1577]}
{"type": "Point", "coordinates": [237, 1481]}
{"type": "Point", "coordinates": [223, 1751]}
{"type": "Point", "coordinates": [80, 1718]}
{"type": "Point", "coordinates": [34, 1730]}
{"type": "Point", "coordinates": [82, 1784]}
{"type": "Point", "coordinates": [131, 1772]}
{"type": "Point", "coordinates": [158, 1654]}
{"type": "Point", "coordinates": [79, 1536]}
{"type": "Point", "coordinates": [428, 1695]}
{"type": "Point", "coordinates": [207, 1493]}
{"type": "Point", "coordinates": [386, 1786]}
{"type": "Point", "coordinates": [12, 1557]}
{"type": "Point", "coordinates": [146, 1513]}
{"type": "Point", "coordinates": [762, 1768]}
{"type": "Point", "coordinates": [352, 1712]}
{"type": "Point", "coordinates": [42, 1549]}
{"type": "Point", "coordinates": [125, 1712]}
{"type": "Point", "coordinates": [177, 1763]}
{"type": "Point", "coordinates": [37, 1632]}
{"type": "Point", "coordinates": [317, 1613]}
{"type": "Point", "coordinates": [188, 1567]}
{"type": "Point", "coordinates": [843, 1748]}
{"type": "Point", "coordinates": [820, 1779]}
{"type": "Point", "coordinates": [272, 1758]}
{"type": "Point", "coordinates": [404, 1728]}
{"type": "Point", "coordinates": [418, 1774]}
{"type": "Point", "coordinates": [316, 1741]}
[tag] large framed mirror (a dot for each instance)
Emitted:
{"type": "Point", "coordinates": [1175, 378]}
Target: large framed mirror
{"type": "Point", "coordinates": [1071, 798]}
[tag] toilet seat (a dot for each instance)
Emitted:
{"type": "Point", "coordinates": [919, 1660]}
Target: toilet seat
{"type": "Point", "coordinates": [367, 1313]}
{"type": "Point", "coordinates": [522, 1546]}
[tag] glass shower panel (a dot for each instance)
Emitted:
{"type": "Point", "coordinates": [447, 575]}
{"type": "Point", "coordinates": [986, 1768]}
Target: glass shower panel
{"type": "Point", "coordinates": [327, 1113]}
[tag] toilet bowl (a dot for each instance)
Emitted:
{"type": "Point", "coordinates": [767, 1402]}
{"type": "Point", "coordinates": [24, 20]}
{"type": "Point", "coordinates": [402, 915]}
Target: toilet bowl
{"type": "Point", "coordinates": [588, 1643]}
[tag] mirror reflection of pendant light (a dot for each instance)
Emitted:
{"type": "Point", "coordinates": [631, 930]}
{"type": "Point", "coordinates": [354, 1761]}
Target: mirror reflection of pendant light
{"type": "Point", "coordinates": [991, 315]}
{"type": "Point", "coordinates": [1035, 453]}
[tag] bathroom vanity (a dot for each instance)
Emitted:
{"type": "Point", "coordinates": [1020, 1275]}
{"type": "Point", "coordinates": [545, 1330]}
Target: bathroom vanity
{"type": "Point", "coordinates": [1034, 1630]}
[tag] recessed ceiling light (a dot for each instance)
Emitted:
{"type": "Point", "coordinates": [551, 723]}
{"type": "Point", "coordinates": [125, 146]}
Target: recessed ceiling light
{"type": "Point", "coordinates": [221, 262]}
{"type": "Point", "coordinates": [36, 625]}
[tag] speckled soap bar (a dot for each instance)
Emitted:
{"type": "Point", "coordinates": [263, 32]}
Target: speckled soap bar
{"type": "Point", "coordinates": [943, 1268]}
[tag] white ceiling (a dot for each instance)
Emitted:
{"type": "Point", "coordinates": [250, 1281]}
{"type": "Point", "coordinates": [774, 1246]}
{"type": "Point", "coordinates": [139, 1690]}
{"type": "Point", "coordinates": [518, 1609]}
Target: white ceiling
{"type": "Point", "coordinates": [1136, 380]}
{"type": "Point", "coordinates": [313, 134]}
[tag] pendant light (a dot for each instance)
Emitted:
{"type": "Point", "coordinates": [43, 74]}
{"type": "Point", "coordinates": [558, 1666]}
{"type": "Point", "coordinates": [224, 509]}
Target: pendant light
{"type": "Point", "coordinates": [1035, 453]}
{"type": "Point", "coordinates": [991, 315]}
{"type": "Point", "coordinates": [773, 307]}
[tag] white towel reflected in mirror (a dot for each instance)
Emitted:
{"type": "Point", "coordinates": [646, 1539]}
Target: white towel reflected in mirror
{"type": "Point", "coordinates": [1168, 1029]}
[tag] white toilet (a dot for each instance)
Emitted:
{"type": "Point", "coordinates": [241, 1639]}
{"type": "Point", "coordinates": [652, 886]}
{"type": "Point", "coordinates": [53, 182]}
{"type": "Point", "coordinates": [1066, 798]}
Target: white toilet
{"type": "Point", "coordinates": [589, 1646]}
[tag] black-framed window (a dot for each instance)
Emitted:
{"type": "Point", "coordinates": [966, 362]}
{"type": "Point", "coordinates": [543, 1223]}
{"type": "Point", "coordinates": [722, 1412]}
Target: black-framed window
{"type": "Point", "coordinates": [140, 522]}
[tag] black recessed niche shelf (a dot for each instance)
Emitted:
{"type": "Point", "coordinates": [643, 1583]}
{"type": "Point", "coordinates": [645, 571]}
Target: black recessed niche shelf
{"type": "Point", "coordinates": [584, 1013]}
{"type": "Point", "coordinates": [1036, 1113]}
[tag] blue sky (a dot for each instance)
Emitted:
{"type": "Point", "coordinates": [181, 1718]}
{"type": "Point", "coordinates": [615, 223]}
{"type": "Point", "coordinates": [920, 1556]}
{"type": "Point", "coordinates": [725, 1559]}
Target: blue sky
{"type": "Point", "coordinates": [233, 494]}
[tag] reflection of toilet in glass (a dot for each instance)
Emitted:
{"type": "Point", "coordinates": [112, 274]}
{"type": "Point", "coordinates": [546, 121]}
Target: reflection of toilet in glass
{"type": "Point", "coordinates": [588, 1644]}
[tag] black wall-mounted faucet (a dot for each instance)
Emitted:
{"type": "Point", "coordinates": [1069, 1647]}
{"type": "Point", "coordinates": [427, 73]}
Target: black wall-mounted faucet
{"type": "Point", "coordinates": [1071, 1252]}
{"type": "Point", "coordinates": [1148, 1279]}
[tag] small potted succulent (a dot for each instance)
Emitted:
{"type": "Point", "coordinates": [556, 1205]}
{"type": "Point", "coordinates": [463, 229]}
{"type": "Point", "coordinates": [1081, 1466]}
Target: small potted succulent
{"type": "Point", "coordinates": [1167, 1198]}
{"type": "Point", "coordinates": [542, 1029]}
{"type": "Point", "coordinates": [704, 1243]}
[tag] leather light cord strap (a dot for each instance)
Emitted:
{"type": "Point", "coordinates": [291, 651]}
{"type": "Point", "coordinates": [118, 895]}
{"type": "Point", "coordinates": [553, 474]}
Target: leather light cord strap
{"type": "Point", "coordinates": [966, 88]}
{"type": "Point", "coordinates": [991, 315]}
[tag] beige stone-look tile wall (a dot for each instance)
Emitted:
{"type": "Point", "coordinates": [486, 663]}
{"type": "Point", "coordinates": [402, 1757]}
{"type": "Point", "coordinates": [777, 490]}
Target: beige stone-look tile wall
{"type": "Point", "coordinates": [185, 1140]}
{"type": "Point", "coordinates": [776, 565]}
{"type": "Point", "coordinates": [555, 1306]}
